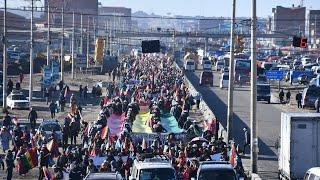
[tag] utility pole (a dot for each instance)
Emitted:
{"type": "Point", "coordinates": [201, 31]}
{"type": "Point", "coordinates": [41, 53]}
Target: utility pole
{"type": "Point", "coordinates": [88, 42]}
{"type": "Point", "coordinates": [253, 105]}
{"type": "Point", "coordinates": [72, 46]}
{"type": "Point", "coordinates": [4, 41]}
{"type": "Point", "coordinates": [31, 56]}
{"type": "Point", "coordinates": [231, 76]}
{"type": "Point", "coordinates": [62, 45]}
{"type": "Point", "coordinates": [48, 36]}
{"type": "Point", "coordinates": [81, 34]}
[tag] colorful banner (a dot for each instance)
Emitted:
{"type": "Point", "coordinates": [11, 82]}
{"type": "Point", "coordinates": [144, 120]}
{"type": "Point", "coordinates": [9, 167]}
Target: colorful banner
{"type": "Point", "coordinates": [115, 123]}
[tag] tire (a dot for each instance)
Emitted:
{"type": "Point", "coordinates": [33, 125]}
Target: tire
{"type": "Point", "coordinates": [268, 101]}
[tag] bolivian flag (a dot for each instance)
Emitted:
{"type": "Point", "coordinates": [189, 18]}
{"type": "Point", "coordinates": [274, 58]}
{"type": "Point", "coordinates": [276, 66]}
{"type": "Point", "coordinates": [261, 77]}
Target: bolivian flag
{"type": "Point", "coordinates": [104, 132]}
{"type": "Point", "coordinates": [28, 160]}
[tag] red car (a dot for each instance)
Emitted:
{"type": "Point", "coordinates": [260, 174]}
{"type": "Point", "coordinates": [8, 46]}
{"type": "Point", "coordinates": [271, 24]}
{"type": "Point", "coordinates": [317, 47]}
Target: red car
{"type": "Point", "coordinates": [206, 77]}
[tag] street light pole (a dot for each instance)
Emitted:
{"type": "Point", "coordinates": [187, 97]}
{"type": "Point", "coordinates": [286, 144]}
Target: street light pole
{"type": "Point", "coordinates": [231, 76]}
{"type": "Point", "coordinates": [253, 105]}
{"type": "Point", "coordinates": [48, 37]}
{"type": "Point", "coordinates": [88, 42]}
{"type": "Point", "coordinates": [81, 34]}
{"type": "Point", "coordinates": [31, 56]}
{"type": "Point", "coordinates": [62, 45]}
{"type": "Point", "coordinates": [4, 39]}
{"type": "Point", "coordinates": [72, 45]}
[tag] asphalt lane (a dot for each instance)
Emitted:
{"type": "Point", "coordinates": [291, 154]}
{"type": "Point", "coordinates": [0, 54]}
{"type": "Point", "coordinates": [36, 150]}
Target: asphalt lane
{"type": "Point", "coordinates": [268, 117]}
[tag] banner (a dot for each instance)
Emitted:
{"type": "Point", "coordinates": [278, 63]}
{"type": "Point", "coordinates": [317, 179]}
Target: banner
{"type": "Point", "coordinates": [149, 137]}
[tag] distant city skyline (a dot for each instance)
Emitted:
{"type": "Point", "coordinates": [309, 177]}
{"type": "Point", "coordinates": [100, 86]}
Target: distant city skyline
{"type": "Point", "coordinates": [206, 8]}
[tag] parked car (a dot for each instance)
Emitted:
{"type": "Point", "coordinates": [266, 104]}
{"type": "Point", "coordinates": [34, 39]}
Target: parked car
{"type": "Point", "coordinates": [312, 174]}
{"type": "Point", "coordinates": [309, 96]}
{"type": "Point", "coordinates": [190, 65]}
{"type": "Point", "coordinates": [305, 78]}
{"type": "Point", "coordinates": [49, 126]}
{"type": "Point", "coordinates": [215, 170]}
{"type": "Point", "coordinates": [206, 77]}
{"type": "Point", "coordinates": [224, 80]}
{"type": "Point", "coordinates": [104, 176]}
{"type": "Point", "coordinates": [17, 100]}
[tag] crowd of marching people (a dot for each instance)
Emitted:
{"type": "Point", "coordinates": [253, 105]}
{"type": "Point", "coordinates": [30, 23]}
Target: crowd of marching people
{"type": "Point", "coordinates": [147, 81]}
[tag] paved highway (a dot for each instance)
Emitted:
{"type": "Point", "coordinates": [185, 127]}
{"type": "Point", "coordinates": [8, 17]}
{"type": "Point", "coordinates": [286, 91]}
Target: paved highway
{"type": "Point", "coordinates": [268, 120]}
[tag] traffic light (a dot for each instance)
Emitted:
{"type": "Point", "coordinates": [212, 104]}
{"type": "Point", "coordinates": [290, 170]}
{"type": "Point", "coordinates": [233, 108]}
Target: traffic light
{"type": "Point", "coordinates": [98, 54]}
{"type": "Point", "coordinates": [299, 42]}
{"type": "Point", "coordinates": [240, 43]}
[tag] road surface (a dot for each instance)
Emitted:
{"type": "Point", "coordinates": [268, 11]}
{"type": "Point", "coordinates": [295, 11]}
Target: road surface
{"type": "Point", "coordinates": [268, 116]}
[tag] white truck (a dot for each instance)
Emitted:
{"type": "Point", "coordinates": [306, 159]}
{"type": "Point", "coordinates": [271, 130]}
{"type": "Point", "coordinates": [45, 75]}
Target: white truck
{"type": "Point", "coordinates": [299, 144]}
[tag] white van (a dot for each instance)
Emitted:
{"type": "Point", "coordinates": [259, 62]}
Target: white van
{"type": "Point", "coordinates": [190, 65]}
{"type": "Point", "coordinates": [219, 65]}
{"type": "Point", "coordinates": [152, 169]}
{"type": "Point", "coordinates": [312, 174]}
{"type": "Point", "coordinates": [224, 80]}
{"type": "Point", "coordinates": [206, 65]}
{"type": "Point", "coordinates": [306, 61]}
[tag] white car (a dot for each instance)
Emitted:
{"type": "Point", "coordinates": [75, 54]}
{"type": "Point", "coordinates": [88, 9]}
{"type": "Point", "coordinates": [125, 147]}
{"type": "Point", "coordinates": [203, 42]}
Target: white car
{"type": "Point", "coordinates": [219, 65]}
{"type": "Point", "coordinates": [190, 65]}
{"type": "Point", "coordinates": [17, 101]}
{"type": "Point", "coordinates": [206, 65]}
{"type": "Point", "coordinates": [224, 80]}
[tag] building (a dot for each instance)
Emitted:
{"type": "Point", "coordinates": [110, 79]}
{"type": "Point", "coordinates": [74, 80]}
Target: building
{"type": "Point", "coordinates": [89, 8]}
{"type": "Point", "coordinates": [313, 26]}
{"type": "Point", "coordinates": [210, 24]}
{"type": "Point", "coordinates": [289, 21]}
{"type": "Point", "coordinates": [115, 18]}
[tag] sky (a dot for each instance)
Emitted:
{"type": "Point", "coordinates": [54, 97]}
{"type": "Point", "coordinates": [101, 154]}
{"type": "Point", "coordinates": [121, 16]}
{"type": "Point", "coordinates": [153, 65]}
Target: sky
{"type": "Point", "coordinates": [199, 7]}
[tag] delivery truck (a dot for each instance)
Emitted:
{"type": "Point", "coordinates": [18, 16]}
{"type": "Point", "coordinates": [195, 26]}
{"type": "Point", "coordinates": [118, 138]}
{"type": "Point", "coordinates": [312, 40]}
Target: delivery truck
{"type": "Point", "coordinates": [299, 144]}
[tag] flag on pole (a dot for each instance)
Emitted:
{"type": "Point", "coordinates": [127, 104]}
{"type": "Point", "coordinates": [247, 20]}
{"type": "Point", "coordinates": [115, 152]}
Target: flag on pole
{"type": "Point", "coordinates": [104, 132]}
{"type": "Point", "coordinates": [27, 161]}
{"type": "Point", "coordinates": [233, 155]}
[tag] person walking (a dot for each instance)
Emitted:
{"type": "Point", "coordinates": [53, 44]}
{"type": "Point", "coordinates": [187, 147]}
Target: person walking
{"type": "Point", "coordinates": [73, 131]}
{"type": "Point", "coordinates": [53, 108]}
{"type": "Point", "coordinates": [43, 161]}
{"type": "Point", "coordinates": [9, 164]}
{"type": "Point", "coordinates": [317, 105]}
{"type": "Point", "coordinates": [281, 96]}
{"type": "Point", "coordinates": [288, 96]}
{"type": "Point", "coordinates": [7, 119]}
{"type": "Point", "coordinates": [65, 133]}
{"type": "Point", "coordinates": [246, 139]}
{"type": "Point", "coordinates": [33, 116]}
{"type": "Point", "coordinates": [85, 92]}
{"type": "Point", "coordinates": [5, 138]}
{"type": "Point", "coordinates": [80, 92]}
{"type": "Point", "coordinates": [21, 77]}
{"type": "Point", "coordinates": [47, 95]}
{"type": "Point", "coordinates": [198, 99]}
{"type": "Point", "coordinates": [299, 99]}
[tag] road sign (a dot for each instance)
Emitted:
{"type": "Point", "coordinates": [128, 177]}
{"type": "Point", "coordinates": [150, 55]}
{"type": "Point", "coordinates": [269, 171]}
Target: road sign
{"type": "Point", "coordinates": [274, 75]}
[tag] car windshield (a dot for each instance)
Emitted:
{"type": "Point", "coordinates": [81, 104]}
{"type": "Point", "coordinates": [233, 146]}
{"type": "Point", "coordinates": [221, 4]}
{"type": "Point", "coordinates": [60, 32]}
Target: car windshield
{"type": "Point", "coordinates": [18, 97]}
{"type": "Point", "coordinates": [225, 77]}
{"type": "Point", "coordinates": [220, 63]}
{"type": "Point", "coordinates": [157, 173]}
{"type": "Point", "coordinates": [207, 62]}
{"type": "Point", "coordinates": [315, 92]}
{"type": "Point", "coordinates": [51, 127]}
{"type": "Point", "coordinates": [263, 88]}
{"type": "Point", "coordinates": [209, 174]}
{"type": "Point", "coordinates": [190, 63]}
{"type": "Point", "coordinates": [206, 74]}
